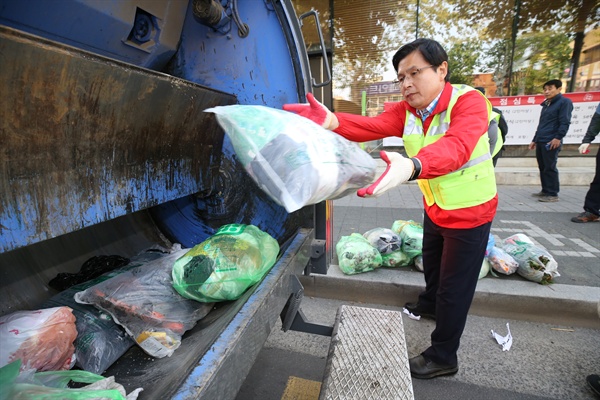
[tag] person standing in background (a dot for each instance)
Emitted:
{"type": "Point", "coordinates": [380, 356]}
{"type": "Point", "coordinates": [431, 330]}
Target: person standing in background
{"type": "Point", "coordinates": [547, 141]}
{"type": "Point", "coordinates": [591, 204]}
{"type": "Point", "coordinates": [497, 137]}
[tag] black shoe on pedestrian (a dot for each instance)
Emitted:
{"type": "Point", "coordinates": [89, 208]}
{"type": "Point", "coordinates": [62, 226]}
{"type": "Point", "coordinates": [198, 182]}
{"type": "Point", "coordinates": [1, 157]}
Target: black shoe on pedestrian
{"type": "Point", "coordinates": [418, 311]}
{"type": "Point", "coordinates": [586, 217]}
{"type": "Point", "coordinates": [594, 383]}
{"type": "Point", "coordinates": [422, 368]}
{"type": "Point", "coordinates": [539, 194]}
{"type": "Point", "coordinates": [548, 199]}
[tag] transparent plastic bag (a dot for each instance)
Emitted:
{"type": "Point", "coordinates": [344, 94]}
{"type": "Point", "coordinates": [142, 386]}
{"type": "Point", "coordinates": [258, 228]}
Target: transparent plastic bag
{"type": "Point", "coordinates": [226, 264]}
{"type": "Point", "coordinates": [357, 255]}
{"type": "Point", "coordinates": [385, 240]}
{"type": "Point", "coordinates": [292, 159]}
{"type": "Point", "coordinates": [41, 339]}
{"type": "Point", "coordinates": [396, 259]}
{"type": "Point", "coordinates": [485, 268]}
{"type": "Point", "coordinates": [100, 341]}
{"type": "Point", "coordinates": [143, 301]}
{"type": "Point", "coordinates": [490, 245]}
{"type": "Point", "coordinates": [411, 233]}
{"type": "Point", "coordinates": [419, 263]}
{"type": "Point", "coordinates": [535, 263]}
{"type": "Point", "coordinates": [502, 262]}
{"type": "Point", "coordinates": [30, 385]}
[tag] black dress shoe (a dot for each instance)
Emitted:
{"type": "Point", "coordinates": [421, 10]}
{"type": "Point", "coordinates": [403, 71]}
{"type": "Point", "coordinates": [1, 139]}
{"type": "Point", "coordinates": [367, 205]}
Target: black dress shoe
{"type": "Point", "coordinates": [594, 383]}
{"type": "Point", "coordinates": [416, 310]}
{"type": "Point", "coordinates": [422, 368]}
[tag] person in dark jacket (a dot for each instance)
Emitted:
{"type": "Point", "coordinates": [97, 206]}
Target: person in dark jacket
{"type": "Point", "coordinates": [502, 126]}
{"type": "Point", "coordinates": [591, 205]}
{"type": "Point", "coordinates": [547, 141]}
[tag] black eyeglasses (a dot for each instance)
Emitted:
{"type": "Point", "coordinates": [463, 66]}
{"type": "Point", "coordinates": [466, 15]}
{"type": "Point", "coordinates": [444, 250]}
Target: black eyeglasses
{"type": "Point", "coordinates": [412, 74]}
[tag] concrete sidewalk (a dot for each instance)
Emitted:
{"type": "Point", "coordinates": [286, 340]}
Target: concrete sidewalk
{"type": "Point", "coordinates": [573, 298]}
{"type": "Point", "coordinates": [574, 171]}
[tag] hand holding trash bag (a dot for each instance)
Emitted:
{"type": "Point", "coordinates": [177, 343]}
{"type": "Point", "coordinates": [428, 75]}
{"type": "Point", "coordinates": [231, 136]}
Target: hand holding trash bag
{"type": "Point", "coordinates": [399, 170]}
{"type": "Point", "coordinates": [315, 111]}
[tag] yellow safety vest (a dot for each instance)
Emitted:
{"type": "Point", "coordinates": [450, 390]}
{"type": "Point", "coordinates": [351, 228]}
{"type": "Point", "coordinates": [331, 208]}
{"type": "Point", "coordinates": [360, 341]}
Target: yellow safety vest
{"type": "Point", "coordinates": [472, 184]}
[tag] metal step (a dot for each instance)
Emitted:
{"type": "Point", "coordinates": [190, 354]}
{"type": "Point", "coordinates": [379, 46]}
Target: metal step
{"type": "Point", "coordinates": [367, 356]}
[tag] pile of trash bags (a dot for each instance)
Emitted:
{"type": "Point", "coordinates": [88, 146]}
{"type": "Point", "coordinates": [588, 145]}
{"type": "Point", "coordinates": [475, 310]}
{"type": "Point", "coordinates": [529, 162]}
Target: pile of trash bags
{"type": "Point", "coordinates": [518, 253]}
{"type": "Point", "coordinates": [402, 246]}
{"type": "Point", "coordinates": [150, 300]}
{"type": "Point", "coordinates": [399, 246]}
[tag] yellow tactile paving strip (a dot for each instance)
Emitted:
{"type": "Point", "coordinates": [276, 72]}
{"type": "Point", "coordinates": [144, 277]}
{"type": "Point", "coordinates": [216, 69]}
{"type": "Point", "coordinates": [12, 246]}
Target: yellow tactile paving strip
{"type": "Point", "coordinates": [301, 389]}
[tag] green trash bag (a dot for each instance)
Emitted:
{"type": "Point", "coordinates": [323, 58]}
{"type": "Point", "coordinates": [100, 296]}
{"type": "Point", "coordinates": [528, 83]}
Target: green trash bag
{"type": "Point", "coordinates": [356, 254]}
{"type": "Point", "coordinates": [53, 385]}
{"type": "Point", "coordinates": [396, 259]}
{"type": "Point", "coordinates": [226, 264]}
{"type": "Point", "coordinates": [411, 233]}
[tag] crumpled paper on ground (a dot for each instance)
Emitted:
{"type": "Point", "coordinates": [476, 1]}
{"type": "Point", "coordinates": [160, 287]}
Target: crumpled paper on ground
{"type": "Point", "coordinates": [411, 315]}
{"type": "Point", "coordinates": [504, 341]}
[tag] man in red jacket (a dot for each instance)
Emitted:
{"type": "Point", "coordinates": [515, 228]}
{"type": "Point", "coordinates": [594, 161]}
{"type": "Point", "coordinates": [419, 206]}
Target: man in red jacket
{"type": "Point", "coordinates": [454, 170]}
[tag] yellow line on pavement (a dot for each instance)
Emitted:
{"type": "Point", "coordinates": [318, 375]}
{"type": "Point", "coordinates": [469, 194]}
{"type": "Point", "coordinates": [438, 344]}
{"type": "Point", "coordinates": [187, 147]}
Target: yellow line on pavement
{"type": "Point", "coordinates": [301, 389]}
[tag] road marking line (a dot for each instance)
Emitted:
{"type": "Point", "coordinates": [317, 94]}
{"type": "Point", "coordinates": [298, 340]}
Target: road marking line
{"type": "Point", "coordinates": [584, 245]}
{"type": "Point", "coordinates": [534, 232]}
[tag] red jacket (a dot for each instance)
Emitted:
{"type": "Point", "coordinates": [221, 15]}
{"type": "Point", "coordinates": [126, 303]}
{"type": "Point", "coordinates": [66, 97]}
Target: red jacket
{"type": "Point", "coordinates": [468, 122]}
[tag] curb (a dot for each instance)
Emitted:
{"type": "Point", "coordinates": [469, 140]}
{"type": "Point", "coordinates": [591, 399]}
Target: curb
{"type": "Point", "coordinates": [567, 305]}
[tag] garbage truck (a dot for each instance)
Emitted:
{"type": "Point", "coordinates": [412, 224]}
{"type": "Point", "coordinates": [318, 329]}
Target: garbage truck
{"type": "Point", "coordinates": [106, 150]}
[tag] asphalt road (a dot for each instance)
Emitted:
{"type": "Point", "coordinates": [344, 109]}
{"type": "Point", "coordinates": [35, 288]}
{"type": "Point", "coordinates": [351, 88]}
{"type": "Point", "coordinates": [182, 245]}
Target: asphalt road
{"type": "Point", "coordinates": [546, 361]}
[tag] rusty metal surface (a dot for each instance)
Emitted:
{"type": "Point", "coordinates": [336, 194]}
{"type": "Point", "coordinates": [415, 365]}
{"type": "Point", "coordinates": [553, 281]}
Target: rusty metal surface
{"type": "Point", "coordinates": [85, 139]}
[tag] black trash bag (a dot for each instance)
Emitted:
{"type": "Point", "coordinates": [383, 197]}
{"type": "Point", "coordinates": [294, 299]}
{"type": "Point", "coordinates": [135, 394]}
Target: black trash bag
{"type": "Point", "coordinates": [91, 269]}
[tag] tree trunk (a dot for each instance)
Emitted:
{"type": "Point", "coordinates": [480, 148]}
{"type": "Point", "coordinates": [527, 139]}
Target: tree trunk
{"type": "Point", "coordinates": [580, 24]}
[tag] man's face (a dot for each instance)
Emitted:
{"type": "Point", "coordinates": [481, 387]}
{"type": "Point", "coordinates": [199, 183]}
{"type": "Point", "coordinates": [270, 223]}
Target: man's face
{"type": "Point", "coordinates": [550, 91]}
{"type": "Point", "coordinates": [420, 83]}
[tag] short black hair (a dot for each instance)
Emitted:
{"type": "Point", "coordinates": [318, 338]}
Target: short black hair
{"type": "Point", "coordinates": [431, 50]}
{"type": "Point", "coordinates": [481, 89]}
{"type": "Point", "coordinates": [557, 83]}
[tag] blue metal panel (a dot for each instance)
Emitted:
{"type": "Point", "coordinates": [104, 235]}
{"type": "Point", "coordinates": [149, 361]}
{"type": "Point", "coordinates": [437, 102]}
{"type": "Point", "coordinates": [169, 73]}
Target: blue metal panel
{"type": "Point", "coordinates": [104, 26]}
{"type": "Point", "coordinates": [84, 139]}
{"type": "Point", "coordinates": [268, 67]}
{"type": "Point", "coordinates": [257, 69]}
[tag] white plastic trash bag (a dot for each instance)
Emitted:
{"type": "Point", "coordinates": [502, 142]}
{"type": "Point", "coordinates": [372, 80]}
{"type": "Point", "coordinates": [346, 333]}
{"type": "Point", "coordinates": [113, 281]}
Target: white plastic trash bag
{"type": "Point", "coordinates": [42, 339]}
{"type": "Point", "coordinates": [385, 240]}
{"type": "Point", "coordinates": [485, 268]}
{"type": "Point", "coordinates": [502, 262]}
{"type": "Point", "coordinates": [292, 159]}
{"type": "Point", "coordinates": [535, 263]}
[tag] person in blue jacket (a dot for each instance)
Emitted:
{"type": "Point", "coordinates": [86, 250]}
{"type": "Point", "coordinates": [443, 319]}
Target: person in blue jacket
{"type": "Point", "coordinates": [555, 119]}
{"type": "Point", "coordinates": [591, 204]}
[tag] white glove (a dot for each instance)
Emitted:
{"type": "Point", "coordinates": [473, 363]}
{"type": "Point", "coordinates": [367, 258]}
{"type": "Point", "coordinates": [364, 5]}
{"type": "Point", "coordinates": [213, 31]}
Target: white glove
{"type": "Point", "coordinates": [583, 149]}
{"type": "Point", "coordinates": [399, 170]}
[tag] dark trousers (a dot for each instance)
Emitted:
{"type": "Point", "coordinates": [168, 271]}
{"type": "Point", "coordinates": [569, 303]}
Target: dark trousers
{"type": "Point", "coordinates": [452, 261]}
{"type": "Point", "coordinates": [547, 160]}
{"type": "Point", "coordinates": [592, 198]}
